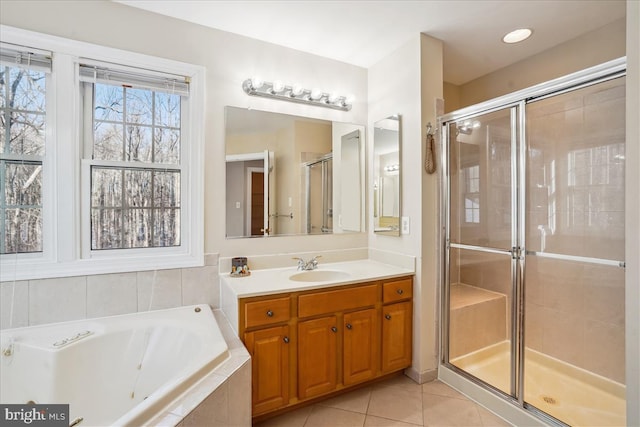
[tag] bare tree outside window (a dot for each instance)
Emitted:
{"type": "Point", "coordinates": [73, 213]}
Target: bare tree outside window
{"type": "Point", "coordinates": [136, 206]}
{"type": "Point", "coordinates": [22, 146]}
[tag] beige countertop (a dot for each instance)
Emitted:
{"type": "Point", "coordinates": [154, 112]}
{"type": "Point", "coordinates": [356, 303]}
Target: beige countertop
{"type": "Point", "coordinates": [277, 280]}
{"type": "Point", "coordinates": [274, 281]}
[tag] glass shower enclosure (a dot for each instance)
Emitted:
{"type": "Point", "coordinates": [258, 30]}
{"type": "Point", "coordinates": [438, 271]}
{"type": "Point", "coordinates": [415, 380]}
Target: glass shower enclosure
{"type": "Point", "coordinates": [533, 283]}
{"type": "Point", "coordinates": [319, 195]}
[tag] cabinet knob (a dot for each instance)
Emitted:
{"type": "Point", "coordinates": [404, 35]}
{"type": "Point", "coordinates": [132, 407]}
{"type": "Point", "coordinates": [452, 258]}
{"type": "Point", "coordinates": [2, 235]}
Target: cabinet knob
{"type": "Point", "coordinates": [286, 340]}
{"type": "Point", "coordinates": [400, 291]}
{"type": "Point", "coordinates": [387, 316]}
{"type": "Point", "coordinates": [334, 329]}
{"type": "Point", "coordinates": [270, 313]}
{"type": "Point", "coordinates": [349, 326]}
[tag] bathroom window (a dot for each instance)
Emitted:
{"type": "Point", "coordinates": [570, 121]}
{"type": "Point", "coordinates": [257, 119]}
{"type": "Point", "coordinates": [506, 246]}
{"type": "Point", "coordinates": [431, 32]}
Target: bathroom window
{"type": "Point", "coordinates": [23, 104]}
{"type": "Point", "coordinates": [471, 177]}
{"type": "Point", "coordinates": [134, 145]}
{"type": "Point", "coordinates": [113, 181]}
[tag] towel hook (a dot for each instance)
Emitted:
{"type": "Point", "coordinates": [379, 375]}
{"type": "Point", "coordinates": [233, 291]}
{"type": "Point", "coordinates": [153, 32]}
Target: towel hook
{"type": "Point", "coordinates": [429, 129]}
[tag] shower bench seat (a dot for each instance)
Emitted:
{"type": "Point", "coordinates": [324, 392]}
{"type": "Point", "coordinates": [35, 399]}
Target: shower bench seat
{"type": "Point", "coordinates": [478, 319]}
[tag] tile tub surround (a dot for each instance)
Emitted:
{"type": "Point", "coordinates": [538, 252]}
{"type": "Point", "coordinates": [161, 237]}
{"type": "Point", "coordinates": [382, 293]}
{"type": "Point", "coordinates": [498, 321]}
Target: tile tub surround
{"type": "Point", "coordinates": [36, 302]}
{"type": "Point", "coordinates": [222, 398]}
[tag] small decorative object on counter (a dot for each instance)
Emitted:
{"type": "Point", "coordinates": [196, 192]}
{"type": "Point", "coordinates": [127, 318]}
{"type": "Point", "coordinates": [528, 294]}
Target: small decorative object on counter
{"type": "Point", "coordinates": [239, 267]}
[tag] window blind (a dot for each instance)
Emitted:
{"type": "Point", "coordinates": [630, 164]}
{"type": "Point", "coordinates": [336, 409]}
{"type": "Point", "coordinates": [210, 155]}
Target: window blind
{"type": "Point", "coordinates": [20, 56]}
{"type": "Point", "coordinates": [135, 78]}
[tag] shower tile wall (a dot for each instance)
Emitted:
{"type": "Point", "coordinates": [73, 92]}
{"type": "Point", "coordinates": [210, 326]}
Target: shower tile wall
{"type": "Point", "coordinates": [34, 302]}
{"type": "Point", "coordinates": [575, 313]}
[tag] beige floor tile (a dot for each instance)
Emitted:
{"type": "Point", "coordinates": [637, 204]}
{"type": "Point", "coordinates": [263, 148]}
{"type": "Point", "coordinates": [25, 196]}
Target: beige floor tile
{"type": "Point", "coordinates": [489, 419]}
{"type": "Point", "coordinates": [322, 416]}
{"type": "Point", "coordinates": [355, 401]}
{"type": "Point", "coordinates": [295, 418]}
{"type": "Point", "coordinates": [400, 381]}
{"type": "Point", "coordinates": [444, 411]}
{"type": "Point", "coordinates": [372, 421]}
{"type": "Point", "coordinates": [441, 389]}
{"type": "Point", "coordinates": [397, 403]}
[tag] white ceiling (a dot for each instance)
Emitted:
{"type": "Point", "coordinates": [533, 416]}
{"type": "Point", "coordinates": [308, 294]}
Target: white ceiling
{"type": "Point", "coordinates": [362, 32]}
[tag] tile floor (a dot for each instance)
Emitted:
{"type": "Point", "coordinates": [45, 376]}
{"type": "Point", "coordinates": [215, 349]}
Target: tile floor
{"type": "Point", "coordinates": [395, 402]}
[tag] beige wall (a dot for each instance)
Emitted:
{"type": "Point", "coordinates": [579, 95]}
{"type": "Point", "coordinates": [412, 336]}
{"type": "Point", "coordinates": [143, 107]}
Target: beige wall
{"type": "Point", "coordinates": [590, 49]}
{"type": "Point", "coordinates": [392, 90]}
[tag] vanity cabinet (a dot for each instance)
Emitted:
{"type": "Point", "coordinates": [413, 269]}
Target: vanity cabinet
{"type": "Point", "coordinates": [310, 343]}
{"type": "Point", "coordinates": [269, 349]}
{"type": "Point", "coordinates": [360, 353]}
{"type": "Point", "coordinates": [317, 358]}
{"type": "Point", "coordinates": [396, 324]}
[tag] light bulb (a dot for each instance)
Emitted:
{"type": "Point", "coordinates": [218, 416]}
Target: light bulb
{"type": "Point", "coordinates": [296, 90]}
{"type": "Point", "coordinates": [256, 82]}
{"type": "Point", "coordinates": [333, 98]}
{"type": "Point", "coordinates": [316, 94]}
{"type": "Point", "coordinates": [277, 86]}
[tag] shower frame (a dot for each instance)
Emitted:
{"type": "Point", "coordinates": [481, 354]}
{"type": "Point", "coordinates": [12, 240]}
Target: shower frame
{"type": "Point", "coordinates": [325, 192]}
{"type": "Point", "coordinates": [515, 101]}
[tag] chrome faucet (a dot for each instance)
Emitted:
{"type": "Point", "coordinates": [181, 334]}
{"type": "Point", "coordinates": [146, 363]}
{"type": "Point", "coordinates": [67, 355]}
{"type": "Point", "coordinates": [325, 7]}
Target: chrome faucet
{"type": "Point", "coordinates": [312, 264]}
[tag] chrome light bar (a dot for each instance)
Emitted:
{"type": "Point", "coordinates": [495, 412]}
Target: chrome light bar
{"type": "Point", "coordinates": [295, 93]}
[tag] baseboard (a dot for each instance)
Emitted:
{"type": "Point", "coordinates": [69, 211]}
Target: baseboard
{"type": "Point", "coordinates": [421, 377]}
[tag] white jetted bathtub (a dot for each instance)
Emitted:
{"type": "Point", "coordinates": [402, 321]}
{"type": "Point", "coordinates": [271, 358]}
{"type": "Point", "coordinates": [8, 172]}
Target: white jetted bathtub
{"type": "Point", "coordinates": [112, 371]}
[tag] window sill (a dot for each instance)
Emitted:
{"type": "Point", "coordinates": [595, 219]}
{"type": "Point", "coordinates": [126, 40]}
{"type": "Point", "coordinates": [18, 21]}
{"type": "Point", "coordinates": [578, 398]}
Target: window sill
{"type": "Point", "coordinates": [31, 269]}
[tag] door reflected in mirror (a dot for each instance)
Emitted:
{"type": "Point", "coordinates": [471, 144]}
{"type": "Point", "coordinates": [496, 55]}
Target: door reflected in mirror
{"type": "Point", "coordinates": [291, 175]}
{"type": "Point", "coordinates": [386, 176]}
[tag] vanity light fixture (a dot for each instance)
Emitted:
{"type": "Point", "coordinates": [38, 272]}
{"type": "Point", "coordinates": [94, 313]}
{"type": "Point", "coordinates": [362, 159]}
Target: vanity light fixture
{"type": "Point", "coordinates": [392, 168]}
{"type": "Point", "coordinates": [517, 36]}
{"type": "Point", "coordinates": [296, 93]}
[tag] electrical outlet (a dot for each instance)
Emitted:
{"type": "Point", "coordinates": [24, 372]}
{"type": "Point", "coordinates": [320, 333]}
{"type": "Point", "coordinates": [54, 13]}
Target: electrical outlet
{"type": "Point", "coordinates": [237, 205]}
{"type": "Point", "coordinates": [405, 225]}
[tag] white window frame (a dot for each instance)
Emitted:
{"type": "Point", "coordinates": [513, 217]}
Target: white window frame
{"type": "Point", "coordinates": [65, 248]}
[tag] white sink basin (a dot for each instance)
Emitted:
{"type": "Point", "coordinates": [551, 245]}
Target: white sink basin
{"type": "Point", "coordinates": [319, 276]}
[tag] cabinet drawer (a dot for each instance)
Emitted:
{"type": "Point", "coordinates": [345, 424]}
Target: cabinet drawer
{"type": "Point", "coordinates": [338, 300]}
{"type": "Point", "coordinates": [266, 312]}
{"type": "Point", "coordinates": [397, 290]}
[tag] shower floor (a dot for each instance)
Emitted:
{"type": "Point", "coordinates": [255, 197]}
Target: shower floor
{"type": "Point", "coordinates": [570, 394]}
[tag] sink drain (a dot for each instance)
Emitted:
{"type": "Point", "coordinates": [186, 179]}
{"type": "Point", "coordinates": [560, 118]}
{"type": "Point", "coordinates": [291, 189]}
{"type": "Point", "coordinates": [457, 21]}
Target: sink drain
{"type": "Point", "coordinates": [550, 400]}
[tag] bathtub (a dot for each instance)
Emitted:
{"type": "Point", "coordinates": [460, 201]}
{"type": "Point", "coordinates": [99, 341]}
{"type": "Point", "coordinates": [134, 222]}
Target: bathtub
{"type": "Point", "coordinates": [121, 370]}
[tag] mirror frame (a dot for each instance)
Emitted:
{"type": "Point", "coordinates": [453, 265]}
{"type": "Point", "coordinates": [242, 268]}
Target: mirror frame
{"type": "Point", "coordinates": [395, 228]}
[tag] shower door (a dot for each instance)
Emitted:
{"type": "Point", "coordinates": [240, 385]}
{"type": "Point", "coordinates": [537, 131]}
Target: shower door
{"type": "Point", "coordinates": [574, 277]}
{"type": "Point", "coordinates": [533, 291]}
{"type": "Point", "coordinates": [482, 246]}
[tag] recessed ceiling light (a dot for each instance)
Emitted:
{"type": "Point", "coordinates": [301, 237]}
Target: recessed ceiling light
{"type": "Point", "coordinates": [518, 35]}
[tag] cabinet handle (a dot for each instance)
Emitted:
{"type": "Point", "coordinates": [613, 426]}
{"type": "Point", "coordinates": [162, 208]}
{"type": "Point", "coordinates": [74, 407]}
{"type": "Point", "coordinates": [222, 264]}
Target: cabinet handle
{"type": "Point", "coordinates": [387, 316]}
{"type": "Point", "coordinates": [269, 313]}
{"type": "Point", "coordinates": [400, 291]}
{"type": "Point", "coordinates": [334, 329]}
{"type": "Point", "coordinates": [349, 326]}
{"type": "Point", "coordinates": [286, 340]}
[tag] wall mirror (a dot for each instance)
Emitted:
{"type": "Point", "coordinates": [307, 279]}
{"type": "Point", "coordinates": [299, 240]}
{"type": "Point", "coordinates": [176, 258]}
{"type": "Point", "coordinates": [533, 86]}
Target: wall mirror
{"type": "Point", "coordinates": [386, 176]}
{"type": "Point", "coordinates": [291, 175]}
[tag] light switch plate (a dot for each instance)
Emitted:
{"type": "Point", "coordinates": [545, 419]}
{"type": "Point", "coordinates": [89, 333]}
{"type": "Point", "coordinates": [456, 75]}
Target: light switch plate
{"type": "Point", "coordinates": [405, 225]}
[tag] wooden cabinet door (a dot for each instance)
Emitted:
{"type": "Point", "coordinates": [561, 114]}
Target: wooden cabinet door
{"type": "Point", "coordinates": [360, 351]}
{"type": "Point", "coordinates": [396, 336]}
{"type": "Point", "coordinates": [269, 349]}
{"type": "Point", "coordinates": [317, 345]}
